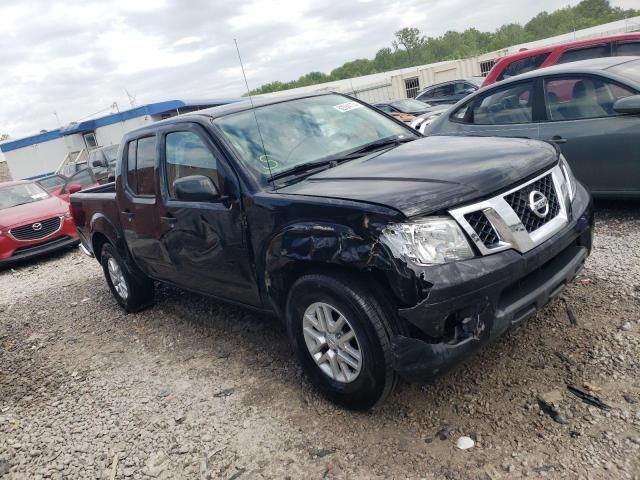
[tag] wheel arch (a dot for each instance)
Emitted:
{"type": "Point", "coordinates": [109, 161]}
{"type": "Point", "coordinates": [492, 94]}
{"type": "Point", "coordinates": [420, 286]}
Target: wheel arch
{"type": "Point", "coordinates": [331, 249]}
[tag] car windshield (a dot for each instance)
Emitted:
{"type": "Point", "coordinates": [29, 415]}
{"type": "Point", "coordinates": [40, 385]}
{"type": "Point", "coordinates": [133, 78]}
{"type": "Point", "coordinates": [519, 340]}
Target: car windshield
{"type": "Point", "coordinates": [20, 194]}
{"type": "Point", "coordinates": [305, 131]}
{"type": "Point", "coordinates": [51, 183]}
{"type": "Point", "coordinates": [630, 70]}
{"type": "Point", "coordinates": [409, 105]}
{"type": "Point", "coordinates": [111, 152]}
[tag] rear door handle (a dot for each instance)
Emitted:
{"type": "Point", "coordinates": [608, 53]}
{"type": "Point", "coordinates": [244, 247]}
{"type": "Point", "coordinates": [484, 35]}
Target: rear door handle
{"type": "Point", "coordinates": [169, 220]}
{"type": "Point", "coordinates": [128, 214]}
{"type": "Point", "coordinates": [558, 139]}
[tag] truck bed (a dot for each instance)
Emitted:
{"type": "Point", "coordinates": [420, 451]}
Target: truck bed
{"type": "Point", "coordinates": [97, 204]}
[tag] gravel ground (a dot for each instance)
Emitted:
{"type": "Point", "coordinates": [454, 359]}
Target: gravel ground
{"type": "Point", "coordinates": [196, 389]}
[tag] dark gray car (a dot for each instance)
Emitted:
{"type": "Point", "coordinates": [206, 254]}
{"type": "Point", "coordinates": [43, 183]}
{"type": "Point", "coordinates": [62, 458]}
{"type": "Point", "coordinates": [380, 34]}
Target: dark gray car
{"type": "Point", "coordinates": [590, 109]}
{"type": "Point", "coordinates": [448, 92]}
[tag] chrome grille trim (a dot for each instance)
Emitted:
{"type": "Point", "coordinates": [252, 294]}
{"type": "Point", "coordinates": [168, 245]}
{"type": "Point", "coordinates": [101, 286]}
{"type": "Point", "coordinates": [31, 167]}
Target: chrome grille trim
{"type": "Point", "coordinates": [506, 223]}
{"type": "Point", "coordinates": [26, 233]}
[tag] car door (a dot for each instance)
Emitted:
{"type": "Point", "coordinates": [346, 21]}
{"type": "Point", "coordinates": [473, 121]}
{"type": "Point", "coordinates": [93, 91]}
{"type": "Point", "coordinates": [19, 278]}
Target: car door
{"type": "Point", "coordinates": [504, 111]}
{"type": "Point", "coordinates": [600, 145]}
{"type": "Point", "coordinates": [84, 178]}
{"type": "Point", "coordinates": [138, 204]}
{"type": "Point", "coordinates": [206, 241]}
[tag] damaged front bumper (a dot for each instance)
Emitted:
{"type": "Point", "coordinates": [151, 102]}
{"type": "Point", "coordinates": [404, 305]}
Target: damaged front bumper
{"type": "Point", "coordinates": [473, 302]}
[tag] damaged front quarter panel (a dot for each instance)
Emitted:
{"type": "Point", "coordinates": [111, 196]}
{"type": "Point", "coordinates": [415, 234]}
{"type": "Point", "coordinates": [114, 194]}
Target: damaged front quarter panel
{"type": "Point", "coordinates": [354, 244]}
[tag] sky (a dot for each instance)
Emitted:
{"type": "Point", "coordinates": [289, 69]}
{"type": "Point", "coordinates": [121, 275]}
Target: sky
{"type": "Point", "coordinates": [77, 58]}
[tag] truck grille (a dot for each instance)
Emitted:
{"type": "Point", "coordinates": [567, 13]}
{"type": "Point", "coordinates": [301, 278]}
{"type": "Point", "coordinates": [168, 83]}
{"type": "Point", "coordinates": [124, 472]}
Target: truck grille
{"type": "Point", "coordinates": [521, 218]}
{"type": "Point", "coordinates": [519, 201]}
{"type": "Point", "coordinates": [36, 230]}
{"type": "Point", "coordinates": [481, 225]}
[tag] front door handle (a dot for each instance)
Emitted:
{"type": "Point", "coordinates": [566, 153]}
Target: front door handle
{"type": "Point", "coordinates": [128, 215]}
{"type": "Point", "coordinates": [558, 139]}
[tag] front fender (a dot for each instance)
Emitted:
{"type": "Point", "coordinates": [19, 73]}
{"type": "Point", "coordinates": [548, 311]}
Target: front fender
{"type": "Point", "coordinates": [303, 246]}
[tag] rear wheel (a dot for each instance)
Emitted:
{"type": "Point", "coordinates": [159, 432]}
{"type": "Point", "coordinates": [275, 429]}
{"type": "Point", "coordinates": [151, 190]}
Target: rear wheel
{"type": "Point", "coordinates": [341, 336]}
{"type": "Point", "coordinates": [132, 293]}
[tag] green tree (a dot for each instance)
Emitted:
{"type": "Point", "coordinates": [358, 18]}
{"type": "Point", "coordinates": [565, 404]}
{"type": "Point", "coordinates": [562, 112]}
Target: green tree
{"type": "Point", "coordinates": [4, 137]}
{"type": "Point", "coordinates": [409, 39]}
{"type": "Point", "coordinates": [411, 48]}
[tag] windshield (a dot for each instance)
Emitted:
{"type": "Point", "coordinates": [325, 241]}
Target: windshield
{"type": "Point", "coordinates": [20, 194]}
{"type": "Point", "coordinates": [630, 70]}
{"type": "Point", "coordinates": [111, 152]}
{"type": "Point", "coordinates": [51, 183]}
{"type": "Point", "coordinates": [409, 105]}
{"type": "Point", "coordinates": [306, 130]}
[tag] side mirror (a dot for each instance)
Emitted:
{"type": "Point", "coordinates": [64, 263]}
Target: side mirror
{"type": "Point", "coordinates": [628, 105]}
{"type": "Point", "coordinates": [196, 188]}
{"type": "Point", "coordinates": [100, 163]}
{"type": "Point", "coordinates": [74, 188]}
{"type": "Point", "coordinates": [469, 91]}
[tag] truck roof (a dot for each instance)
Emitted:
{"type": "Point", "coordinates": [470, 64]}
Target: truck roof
{"type": "Point", "coordinates": [221, 111]}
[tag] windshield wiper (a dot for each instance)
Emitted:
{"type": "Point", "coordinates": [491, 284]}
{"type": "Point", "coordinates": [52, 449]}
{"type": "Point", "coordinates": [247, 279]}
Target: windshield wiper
{"type": "Point", "coordinates": [336, 159]}
{"type": "Point", "coordinates": [302, 168]}
{"type": "Point", "coordinates": [381, 143]}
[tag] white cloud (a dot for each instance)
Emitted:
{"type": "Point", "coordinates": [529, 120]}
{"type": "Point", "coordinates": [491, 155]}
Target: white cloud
{"type": "Point", "coordinates": [76, 56]}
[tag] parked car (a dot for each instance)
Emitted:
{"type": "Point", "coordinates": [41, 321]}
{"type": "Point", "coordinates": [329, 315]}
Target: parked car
{"type": "Point", "coordinates": [627, 44]}
{"type": "Point", "coordinates": [449, 92]}
{"type": "Point", "coordinates": [421, 122]}
{"type": "Point", "coordinates": [405, 109]}
{"type": "Point", "coordinates": [52, 183]}
{"type": "Point", "coordinates": [589, 109]}
{"type": "Point", "coordinates": [384, 253]}
{"type": "Point", "coordinates": [102, 161]}
{"type": "Point", "coordinates": [62, 187]}
{"type": "Point", "coordinates": [32, 222]}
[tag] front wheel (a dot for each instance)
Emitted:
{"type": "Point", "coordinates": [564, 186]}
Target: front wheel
{"type": "Point", "coordinates": [341, 336]}
{"type": "Point", "coordinates": [133, 294]}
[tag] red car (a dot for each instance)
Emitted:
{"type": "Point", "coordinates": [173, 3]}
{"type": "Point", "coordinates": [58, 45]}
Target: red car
{"type": "Point", "coordinates": [32, 222]}
{"type": "Point", "coordinates": [63, 187]}
{"type": "Point", "coordinates": [528, 60]}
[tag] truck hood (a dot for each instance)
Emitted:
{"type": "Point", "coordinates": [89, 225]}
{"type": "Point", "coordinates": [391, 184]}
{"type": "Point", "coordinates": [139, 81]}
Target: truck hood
{"type": "Point", "coordinates": [32, 212]}
{"type": "Point", "coordinates": [431, 174]}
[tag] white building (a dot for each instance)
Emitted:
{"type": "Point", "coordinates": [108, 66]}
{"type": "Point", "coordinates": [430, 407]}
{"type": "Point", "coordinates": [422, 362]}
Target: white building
{"type": "Point", "coordinates": [41, 154]}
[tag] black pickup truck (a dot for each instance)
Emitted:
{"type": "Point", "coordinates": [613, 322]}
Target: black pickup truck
{"type": "Point", "coordinates": [385, 253]}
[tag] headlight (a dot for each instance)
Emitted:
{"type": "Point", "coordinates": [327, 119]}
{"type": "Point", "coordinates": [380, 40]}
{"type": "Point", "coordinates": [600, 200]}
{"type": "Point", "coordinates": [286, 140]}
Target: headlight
{"type": "Point", "coordinates": [67, 214]}
{"type": "Point", "coordinates": [569, 178]}
{"type": "Point", "coordinates": [429, 241]}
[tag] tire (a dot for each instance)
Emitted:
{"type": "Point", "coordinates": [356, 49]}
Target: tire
{"type": "Point", "coordinates": [355, 388]}
{"type": "Point", "coordinates": [132, 293]}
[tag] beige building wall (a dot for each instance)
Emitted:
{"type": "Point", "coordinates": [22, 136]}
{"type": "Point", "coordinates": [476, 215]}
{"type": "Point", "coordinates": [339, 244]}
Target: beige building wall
{"type": "Point", "coordinates": [5, 174]}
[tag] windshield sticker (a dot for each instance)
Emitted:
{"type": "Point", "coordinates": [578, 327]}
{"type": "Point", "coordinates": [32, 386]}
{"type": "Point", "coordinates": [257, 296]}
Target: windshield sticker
{"type": "Point", "coordinates": [345, 107]}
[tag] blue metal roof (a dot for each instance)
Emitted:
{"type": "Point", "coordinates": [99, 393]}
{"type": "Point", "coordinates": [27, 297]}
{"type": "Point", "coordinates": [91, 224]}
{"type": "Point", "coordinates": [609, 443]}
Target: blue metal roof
{"type": "Point", "coordinates": [91, 125]}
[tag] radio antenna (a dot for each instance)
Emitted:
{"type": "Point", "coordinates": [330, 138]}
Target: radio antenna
{"type": "Point", "coordinates": [255, 116]}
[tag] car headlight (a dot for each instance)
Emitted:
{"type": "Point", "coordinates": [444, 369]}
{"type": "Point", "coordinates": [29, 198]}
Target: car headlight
{"type": "Point", "coordinates": [428, 241]}
{"type": "Point", "coordinates": [570, 180]}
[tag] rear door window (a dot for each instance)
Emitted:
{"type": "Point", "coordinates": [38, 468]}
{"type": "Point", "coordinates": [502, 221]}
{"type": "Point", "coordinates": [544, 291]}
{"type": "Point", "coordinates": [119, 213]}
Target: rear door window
{"type": "Point", "coordinates": [523, 65]}
{"type": "Point", "coordinates": [427, 93]}
{"type": "Point", "coordinates": [141, 162]}
{"type": "Point", "coordinates": [145, 163]}
{"type": "Point", "coordinates": [575, 98]}
{"type": "Point", "coordinates": [586, 53]}
{"type": "Point", "coordinates": [628, 48]}
{"type": "Point", "coordinates": [132, 182]}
